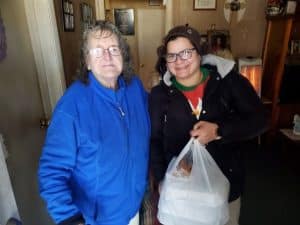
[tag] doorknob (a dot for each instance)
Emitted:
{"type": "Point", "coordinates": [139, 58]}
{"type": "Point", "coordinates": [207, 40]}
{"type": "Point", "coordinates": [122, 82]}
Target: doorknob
{"type": "Point", "coordinates": [142, 65]}
{"type": "Point", "coordinates": [44, 123]}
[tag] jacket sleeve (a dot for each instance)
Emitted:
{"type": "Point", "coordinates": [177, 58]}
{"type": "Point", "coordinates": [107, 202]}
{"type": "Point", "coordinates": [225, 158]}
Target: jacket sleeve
{"type": "Point", "coordinates": [55, 168]}
{"type": "Point", "coordinates": [158, 164]}
{"type": "Point", "coordinates": [248, 116]}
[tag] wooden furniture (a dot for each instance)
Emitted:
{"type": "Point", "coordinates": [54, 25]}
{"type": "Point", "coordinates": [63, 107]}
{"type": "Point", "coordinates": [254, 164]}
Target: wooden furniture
{"type": "Point", "coordinates": [276, 57]}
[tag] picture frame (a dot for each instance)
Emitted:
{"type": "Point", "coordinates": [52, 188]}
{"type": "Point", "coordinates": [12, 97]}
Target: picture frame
{"type": "Point", "coordinates": [155, 2]}
{"type": "Point", "coordinates": [124, 20]}
{"type": "Point", "coordinates": [218, 40]}
{"type": "Point", "coordinates": [205, 4]}
{"type": "Point", "coordinates": [87, 18]}
{"type": "Point", "coordinates": [68, 16]}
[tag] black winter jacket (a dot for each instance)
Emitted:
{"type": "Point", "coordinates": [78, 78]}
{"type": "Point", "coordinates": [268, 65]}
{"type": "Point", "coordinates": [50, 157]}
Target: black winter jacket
{"type": "Point", "coordinates": [231, 102]}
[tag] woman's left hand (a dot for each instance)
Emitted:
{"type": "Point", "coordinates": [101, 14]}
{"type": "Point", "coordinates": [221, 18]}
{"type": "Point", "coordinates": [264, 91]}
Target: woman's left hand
{"type": "Point", "coordinates": [205, 132]}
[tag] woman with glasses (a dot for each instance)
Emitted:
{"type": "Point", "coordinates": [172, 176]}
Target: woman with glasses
{"type": "Point", "coordinates": [203, 97]}
{"type": "Point", "coordinates": [94, 165]}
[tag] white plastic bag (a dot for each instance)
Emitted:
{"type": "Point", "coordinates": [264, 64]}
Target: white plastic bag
{"type": "Point", "coordinates": [194, 191]}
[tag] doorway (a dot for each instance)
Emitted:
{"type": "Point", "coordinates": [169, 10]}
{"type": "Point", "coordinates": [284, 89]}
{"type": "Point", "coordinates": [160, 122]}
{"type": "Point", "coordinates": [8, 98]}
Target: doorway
{"type": "Point", "coordinates": [150, 31]}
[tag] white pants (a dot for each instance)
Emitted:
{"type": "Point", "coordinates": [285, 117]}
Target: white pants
{"type": "Point", "coordinates": [234, 212]}
{"type": "Point", "coordinates": [135, 220]}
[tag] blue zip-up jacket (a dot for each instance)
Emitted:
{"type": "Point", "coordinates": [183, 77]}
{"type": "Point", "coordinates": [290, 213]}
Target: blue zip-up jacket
{"type": "Point", "coordinates": [95, 158]}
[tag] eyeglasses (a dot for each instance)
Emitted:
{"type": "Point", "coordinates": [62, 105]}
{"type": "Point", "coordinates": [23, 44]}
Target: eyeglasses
{"type": "Point", "coordinates": [183, 55]}
{"type": "Point", "coordinates": [99, 52]}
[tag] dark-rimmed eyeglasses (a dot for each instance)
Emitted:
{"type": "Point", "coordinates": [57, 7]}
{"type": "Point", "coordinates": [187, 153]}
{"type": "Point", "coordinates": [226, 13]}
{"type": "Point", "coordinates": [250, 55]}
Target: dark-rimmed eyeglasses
{"type": "Point", "coordinates": [183, 55]}
{"type": "Point", "coordinates": [99, 52]}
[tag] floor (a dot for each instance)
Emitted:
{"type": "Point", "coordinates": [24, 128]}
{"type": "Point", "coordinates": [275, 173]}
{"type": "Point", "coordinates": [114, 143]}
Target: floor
{"type": "Point", "coordinates": [272, 189]}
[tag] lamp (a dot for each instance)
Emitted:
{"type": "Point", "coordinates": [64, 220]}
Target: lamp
{"type": "Point", "coordinates": [251, 68]}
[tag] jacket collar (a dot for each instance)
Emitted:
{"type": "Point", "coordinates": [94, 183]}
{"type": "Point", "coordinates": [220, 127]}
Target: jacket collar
{"type": "Point", "coordinates": [107, 93]}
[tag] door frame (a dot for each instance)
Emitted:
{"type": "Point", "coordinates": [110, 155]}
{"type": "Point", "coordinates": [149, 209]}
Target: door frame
{"type": "Point", "coordinates": [45, 43]}
{"type": "Point", "coordinates": [43, 32]}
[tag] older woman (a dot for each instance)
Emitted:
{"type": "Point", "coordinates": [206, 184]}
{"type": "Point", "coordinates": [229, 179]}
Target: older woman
{"type": "Point", "coordinates": [93, 169]}
{"type": "Point", "coordinates": [203, 97]}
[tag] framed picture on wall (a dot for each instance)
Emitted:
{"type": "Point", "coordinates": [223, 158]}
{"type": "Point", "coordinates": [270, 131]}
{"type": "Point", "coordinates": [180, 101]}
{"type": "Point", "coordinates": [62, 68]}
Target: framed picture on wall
{"type": "Point", "coordinates": [218, 40]}
{"type": "Point", "coordinates": [155, 2]}
{"type": "Point", "coordinates": [124, 20]}
{"type": "Point", "coordinates": [86, 15]}
{"type": "Point", "coordinates": [205, 4]}
{"type": "Point", "coordinates": [68, 15]}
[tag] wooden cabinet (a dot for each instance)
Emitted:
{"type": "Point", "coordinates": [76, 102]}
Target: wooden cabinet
{"type": "Point", "coordinates": [276, 59]}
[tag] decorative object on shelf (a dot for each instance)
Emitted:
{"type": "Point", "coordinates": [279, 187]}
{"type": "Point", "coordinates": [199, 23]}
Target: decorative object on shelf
{"type": "Point", "coordinates": [290, 7]}
{"type": "Point", "coordinates": [274, 7]}
{"type": "Point", "coordinates": [237, 7]}
{"type": "Point", "coordinates": [205, 4]}
{"type": "Point", "coordinates": [296, 129]}
{"type": "Point", "coordinates": [294, 47]}
{"type": "Point", "coordinates": [124, 20]}
{"type": "Point", "coordinates": [204, 43]}
{"type": "Point", "coordinates": [68, 15]}
{"type": "Point", "coordinates": [86, 15]}
{"type": "Point", "coordinates": [3, 46]}
{"type": "Point", "coordinates": [251, 68]}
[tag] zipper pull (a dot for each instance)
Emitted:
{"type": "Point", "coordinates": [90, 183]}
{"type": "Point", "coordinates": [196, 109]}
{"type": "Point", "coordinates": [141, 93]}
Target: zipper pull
{"type": "Point", "coordinates": [121, 111]}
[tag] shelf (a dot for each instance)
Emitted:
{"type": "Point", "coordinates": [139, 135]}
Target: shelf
{"type": "Point", "coordinates": [279, 17]}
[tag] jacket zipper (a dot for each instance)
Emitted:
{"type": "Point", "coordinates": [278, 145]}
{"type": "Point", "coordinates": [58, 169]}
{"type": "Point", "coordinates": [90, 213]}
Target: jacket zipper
{"type": "Point", "coordinates": [121, 110]}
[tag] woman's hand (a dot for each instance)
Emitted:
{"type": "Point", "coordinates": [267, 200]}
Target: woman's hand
{"type": "Point", "coordinates": [205, 132]}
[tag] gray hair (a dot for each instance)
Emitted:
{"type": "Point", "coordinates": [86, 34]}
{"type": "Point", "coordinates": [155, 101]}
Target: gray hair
{"type": "Point", "coordinates": [105, 26]}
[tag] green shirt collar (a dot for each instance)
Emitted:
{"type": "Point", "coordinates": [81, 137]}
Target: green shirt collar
{"type": "Point", "coordinates": [179, 86]}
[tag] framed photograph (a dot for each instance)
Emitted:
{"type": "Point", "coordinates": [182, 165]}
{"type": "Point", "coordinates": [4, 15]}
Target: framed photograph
{"type": "Point", "coordinates": [218, 40]}
{"type": "Point", "coordinates": [124, 20]}
{"type": "Point", "coordinates": [205, 4]}
{"type": "Point", "coordinates": [155, 2]}
{"type": "Point", "coordinates": [86, 15]}
{"type": "Point", "coordinates": [68, 15]}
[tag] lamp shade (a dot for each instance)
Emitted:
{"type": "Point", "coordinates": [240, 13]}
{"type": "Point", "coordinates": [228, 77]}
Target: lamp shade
{"type": "Point", "coordinates": [251, 68]}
